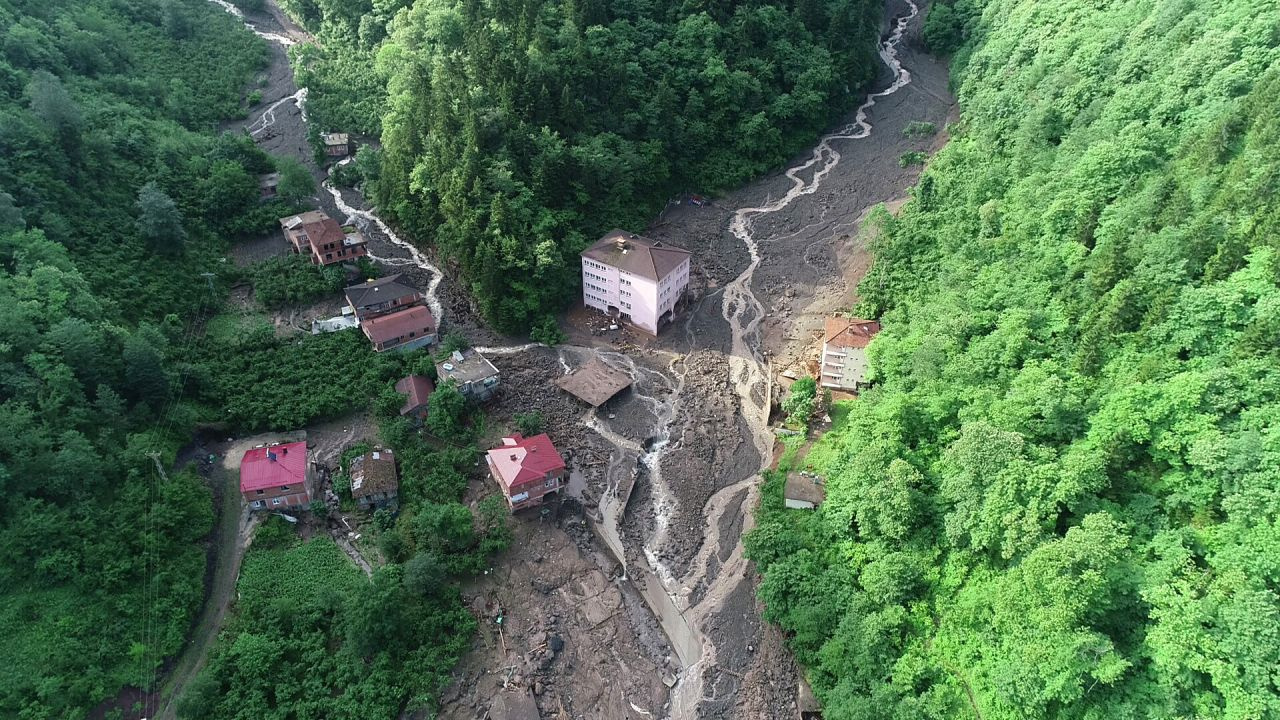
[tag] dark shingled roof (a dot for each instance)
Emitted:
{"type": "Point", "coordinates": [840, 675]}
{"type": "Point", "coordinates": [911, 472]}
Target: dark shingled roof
{"type": "Point", "coordinates": [377, 291]}
{"type": "Point", "coordinates": [374, 472]}
{"type": "Point", "coordinates": [637, 255]}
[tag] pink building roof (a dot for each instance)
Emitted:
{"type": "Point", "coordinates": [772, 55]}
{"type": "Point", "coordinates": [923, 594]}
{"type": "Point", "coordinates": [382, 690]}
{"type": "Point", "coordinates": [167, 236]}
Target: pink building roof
{"type": "Point", "coordinates": [523, 460]}
{"type": "Point", "coordinates": [273, 466]}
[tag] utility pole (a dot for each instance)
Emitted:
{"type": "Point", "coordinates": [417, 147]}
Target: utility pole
{"type": "Point", "coordinates": [155, 458]}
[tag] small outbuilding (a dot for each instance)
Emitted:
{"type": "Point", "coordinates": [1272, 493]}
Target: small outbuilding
{"type": "Point", "coordinates": [594, 383]}
{"type": "Point", "coordinates": [804, 491]}
{"type": "Point", "coordinates": [268, 186]}
{"type": "Point", "coordinates": [417, 390]}
{"type": "Point", "coordinates": [336, 145]}
{"type": "Point", "coordinates": [374, 480]}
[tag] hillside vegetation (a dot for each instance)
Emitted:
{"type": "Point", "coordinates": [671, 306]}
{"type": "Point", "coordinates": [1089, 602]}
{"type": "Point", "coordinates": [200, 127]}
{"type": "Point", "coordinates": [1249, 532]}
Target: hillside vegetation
{"type": "Point", "coordinates": [114, 197]}
{"type": "Point", "coordinates": [516, 131]}
{"type": "Point", "coordinates": [1061, 501]}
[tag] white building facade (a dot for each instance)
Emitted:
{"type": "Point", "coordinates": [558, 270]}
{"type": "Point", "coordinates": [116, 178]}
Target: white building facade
{"type": "Point", "coordinates": [634, 279]}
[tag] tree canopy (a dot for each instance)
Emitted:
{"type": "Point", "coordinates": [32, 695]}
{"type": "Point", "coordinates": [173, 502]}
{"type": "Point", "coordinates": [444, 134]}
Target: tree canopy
{"type": "Point", "coordinates": [1061, 498]}
{"type": "Point", "coordinates": [516, 132]}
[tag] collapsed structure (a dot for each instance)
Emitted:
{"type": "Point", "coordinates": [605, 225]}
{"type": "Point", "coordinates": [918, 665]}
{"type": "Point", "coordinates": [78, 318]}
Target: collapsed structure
{"type": "Point", "coordinates": [322, 239]}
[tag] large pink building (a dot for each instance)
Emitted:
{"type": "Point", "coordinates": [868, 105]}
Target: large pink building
{"type": "Point", "coordinates": [634, 279]}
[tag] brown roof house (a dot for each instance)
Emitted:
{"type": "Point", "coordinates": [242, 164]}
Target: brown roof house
{"type": "Point", "coordinates": [374, 481]}
{"type": "Point", "coordinates": [844, 352]}
{"type": "Point", "coordinates": [412, 327]}
{"type": "Point", "coordinates": [321, 238]}
{"type": "Point", "coordinates": [417, 390]}
{"type": "Point", "coordinates": [634, 279]}
{"type": "Point", "coordinates": [804, 491]}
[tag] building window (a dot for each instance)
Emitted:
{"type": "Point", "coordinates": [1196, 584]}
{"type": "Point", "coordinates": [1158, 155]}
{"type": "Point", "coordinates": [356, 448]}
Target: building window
{"type": "Point", "coordinates": [552, 482]}
{"type": "Point", "coordinates": [284, 487]}
{"type": "Point", "coordinates": [256, 503]}
{"type": "Point", "coordinates": [260, 492]}
{"type": "Point", "coordinates": [276, 501]}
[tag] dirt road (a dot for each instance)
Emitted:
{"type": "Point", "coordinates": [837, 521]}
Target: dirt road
{"type": "Point", "coordinates": [655, 610]}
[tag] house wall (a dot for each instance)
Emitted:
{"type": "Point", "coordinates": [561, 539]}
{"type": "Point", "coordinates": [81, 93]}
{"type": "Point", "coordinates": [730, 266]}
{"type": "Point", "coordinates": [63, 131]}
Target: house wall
{"type": "Point", "coordinates": [268, 500]}
{"type": "Point", "coordinates": [404, 342]}
{"type": "Point", "coordinates": [337, 252]}
{"type": "Point", "coordinates": [534, 492]}
{"type": "Point", "coordinates": [671, 289]}
{"type": "Point", "coordinates": [843, 368]}
{"type": "Point", "coordinates": [477, 390]}
{"type": "Point", "coordinates": [376, 500]}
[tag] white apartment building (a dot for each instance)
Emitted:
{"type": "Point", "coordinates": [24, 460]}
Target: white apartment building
{"type": "Point", "coordinates": [634, 279]}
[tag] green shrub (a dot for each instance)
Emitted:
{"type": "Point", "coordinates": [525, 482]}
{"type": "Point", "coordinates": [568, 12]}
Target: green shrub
{"type": "Point", "coordinates": [916, 157]}
{"type": "Point", "coordinates": [919, 128]}
{"type": "Point", "coordinates": [292, 279]}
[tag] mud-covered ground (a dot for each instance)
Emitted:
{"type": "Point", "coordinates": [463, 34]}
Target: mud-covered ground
{"type": "Point", "coordinates": [632, 598]}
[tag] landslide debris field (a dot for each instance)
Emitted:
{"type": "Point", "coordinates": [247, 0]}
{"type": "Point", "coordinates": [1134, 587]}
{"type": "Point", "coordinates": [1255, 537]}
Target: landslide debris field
{"type": "Point", "coordinates": [631, 598]}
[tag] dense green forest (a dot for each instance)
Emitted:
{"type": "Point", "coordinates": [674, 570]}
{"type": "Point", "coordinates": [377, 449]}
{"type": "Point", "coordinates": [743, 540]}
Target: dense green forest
{"type": "Point", "coordinates": [1061, 499]}
{"type": "Point", "coordinates": [516, 131]}
{"type": "Point", "coordinates": [115, 195]}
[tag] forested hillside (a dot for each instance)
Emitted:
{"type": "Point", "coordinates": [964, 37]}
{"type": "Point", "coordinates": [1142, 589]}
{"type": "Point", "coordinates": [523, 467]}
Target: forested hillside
{"type": "Point", "coordinates": [515, 131]}
{"type": "Point", "coordinates": [1061, 500]}
{"type": "Point", "coordinates": [114, 197]}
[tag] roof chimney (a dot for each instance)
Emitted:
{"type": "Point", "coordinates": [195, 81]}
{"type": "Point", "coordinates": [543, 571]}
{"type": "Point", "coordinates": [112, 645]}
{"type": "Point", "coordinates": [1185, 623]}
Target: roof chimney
{"type": "Point", "coordinates": [284, 450]}
{"type": "Point", "coordinates": [620, 242]}
{"type": "Point", "coordinates": [271, 456]}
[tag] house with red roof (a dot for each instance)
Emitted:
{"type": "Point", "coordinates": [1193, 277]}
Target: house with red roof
{"type": "Point", "coordinates": [276, 477]}
{"type": "Point", "coordinates": [844, 352]}
{"type": "Point", "coordinates": [412, 327]}
{"type": "Point", "coordinates": [527, 469]}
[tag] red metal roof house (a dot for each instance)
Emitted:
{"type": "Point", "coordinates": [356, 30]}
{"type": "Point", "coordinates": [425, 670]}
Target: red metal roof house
{"type": "Point", "coordinates": [527, 469]}
{"type": "Point", "coordinates": [276, 477]}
